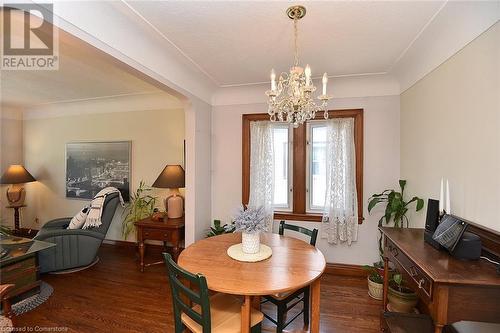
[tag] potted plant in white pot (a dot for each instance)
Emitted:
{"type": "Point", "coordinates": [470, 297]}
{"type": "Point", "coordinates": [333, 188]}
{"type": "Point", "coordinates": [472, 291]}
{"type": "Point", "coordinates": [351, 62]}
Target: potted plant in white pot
{"type": "Point", "coordinates": [401, 298]}
{"type": "Point", "coordinates": [375, 282]}
{"type": "Point", "coordinates": [250, 222]}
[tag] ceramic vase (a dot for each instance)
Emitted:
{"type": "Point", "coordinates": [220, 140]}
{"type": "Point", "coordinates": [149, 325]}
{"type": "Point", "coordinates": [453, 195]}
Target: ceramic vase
{"type": "Point", "coordinates": [250, 242]}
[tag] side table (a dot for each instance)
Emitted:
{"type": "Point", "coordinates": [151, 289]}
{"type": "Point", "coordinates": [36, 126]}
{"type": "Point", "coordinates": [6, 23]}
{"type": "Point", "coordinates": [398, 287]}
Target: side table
{"type": "Point", "coordinates": [168, 230]}
{"type": "Point", "coordinates": [17, 224]}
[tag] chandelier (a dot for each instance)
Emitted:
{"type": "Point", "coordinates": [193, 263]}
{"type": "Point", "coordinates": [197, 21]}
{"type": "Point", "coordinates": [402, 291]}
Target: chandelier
{"type": "Point", "coordinates": [291, 98]}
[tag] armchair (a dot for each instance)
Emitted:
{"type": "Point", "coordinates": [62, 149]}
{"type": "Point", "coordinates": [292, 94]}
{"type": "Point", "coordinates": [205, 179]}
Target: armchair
{"type": "Point", "coordinates": [75, 248]}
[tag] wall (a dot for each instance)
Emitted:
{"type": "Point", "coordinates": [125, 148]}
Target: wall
{"type": "Point", "coordinates": [11, 152]}
{"type": "Point", "coordinates": [198, 180]}
{"type": "Point", "coordinates": [381, 166]}
{"type": "Point", "coordinates": [157, 139]}
{"type": "Point", "coordinates": [450, 127]}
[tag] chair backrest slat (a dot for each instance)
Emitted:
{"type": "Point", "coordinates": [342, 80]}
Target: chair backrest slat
{"type": "Point", "coordinates": [313, 234]}
{"type": "Point", "coordinates": [198, 295]}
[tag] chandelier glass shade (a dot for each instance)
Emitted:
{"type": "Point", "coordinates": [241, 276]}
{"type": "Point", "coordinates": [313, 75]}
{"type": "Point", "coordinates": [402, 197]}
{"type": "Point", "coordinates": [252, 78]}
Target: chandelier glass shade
{"type": "Point", "coordinates": [291, 97]}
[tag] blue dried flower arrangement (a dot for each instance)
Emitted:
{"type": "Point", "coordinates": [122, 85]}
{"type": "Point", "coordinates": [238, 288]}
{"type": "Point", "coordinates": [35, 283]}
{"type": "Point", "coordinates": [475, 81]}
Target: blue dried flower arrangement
{"type": "Point", "coordinates": [250, 220]}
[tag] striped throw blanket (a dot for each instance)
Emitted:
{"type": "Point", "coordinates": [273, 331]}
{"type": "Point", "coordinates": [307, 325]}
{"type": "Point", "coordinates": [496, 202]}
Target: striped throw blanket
{"type": "Point", "coordinates": [94, 217]}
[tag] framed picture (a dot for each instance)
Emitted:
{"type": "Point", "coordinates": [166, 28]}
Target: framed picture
{"type": "Point", "coordinates": [92, 166]}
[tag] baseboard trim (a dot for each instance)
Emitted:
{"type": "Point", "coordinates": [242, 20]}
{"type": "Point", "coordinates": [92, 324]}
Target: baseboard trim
{"type": "Point", "coordinates": [133, 245]}
{"type": "Point", "coordinates": [127, 244]}
{"type": "Point", "coordinates": [120, 243]}
{"type": "Point", "coordinates": [345, 270]}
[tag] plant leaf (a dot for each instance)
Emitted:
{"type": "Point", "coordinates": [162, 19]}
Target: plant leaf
{"type": "Point", "coordinates": [420, 204]}
{"type": "Point", "coordinates": [372, 203]}
{"type": "Point", "coordinates": [402, 184]}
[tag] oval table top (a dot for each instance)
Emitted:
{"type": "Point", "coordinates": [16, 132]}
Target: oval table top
{"type": "Point", "coordinates": [294, 264]}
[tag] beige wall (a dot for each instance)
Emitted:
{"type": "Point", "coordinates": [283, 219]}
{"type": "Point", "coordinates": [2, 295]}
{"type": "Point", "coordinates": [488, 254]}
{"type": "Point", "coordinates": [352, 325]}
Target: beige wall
{"type": "Point", "coordinates": [381, 167]}
{"type": "Point", "coordinates": [11, 152]}
{"type": "Point", "coordinates": [157, 139]}
{"type": "Point", "coordinates": [450, 127]}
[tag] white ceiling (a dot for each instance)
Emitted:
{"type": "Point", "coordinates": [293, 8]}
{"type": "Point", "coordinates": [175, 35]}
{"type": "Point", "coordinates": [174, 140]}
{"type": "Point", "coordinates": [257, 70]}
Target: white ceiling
{"type": "Point", "coordinates": [85, 73]}
{"type": "Point", "coordinates": [238, 42]}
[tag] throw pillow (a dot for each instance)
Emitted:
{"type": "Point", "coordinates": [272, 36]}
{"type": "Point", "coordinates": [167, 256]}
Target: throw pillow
{"type": "Point", "coordinates": [78, 220]}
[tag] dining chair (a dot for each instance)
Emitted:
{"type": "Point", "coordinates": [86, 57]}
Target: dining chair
{"type": "Point", "coordinates": [220, 313]}
{"type": "Point", "coordinates": [286, 301]}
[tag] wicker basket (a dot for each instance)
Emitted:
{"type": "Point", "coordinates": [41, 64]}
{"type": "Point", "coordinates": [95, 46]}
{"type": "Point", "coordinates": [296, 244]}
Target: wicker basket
{"type": "Point", "coordinates": [375, 290]}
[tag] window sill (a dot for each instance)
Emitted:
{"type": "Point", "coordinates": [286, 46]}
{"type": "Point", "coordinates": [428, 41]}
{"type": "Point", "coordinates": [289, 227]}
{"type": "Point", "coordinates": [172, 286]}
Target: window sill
{"type": "Point", "coordinates": [307, 217]}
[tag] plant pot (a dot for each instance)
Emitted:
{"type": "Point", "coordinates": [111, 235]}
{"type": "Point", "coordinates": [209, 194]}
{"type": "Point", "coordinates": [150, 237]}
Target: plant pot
{"type": "Point", "coordinates": [375, 290]}
{"type": "Point", "coordinates": [402, 301]}
{"type": "Point", "coordinates": [250, 242]}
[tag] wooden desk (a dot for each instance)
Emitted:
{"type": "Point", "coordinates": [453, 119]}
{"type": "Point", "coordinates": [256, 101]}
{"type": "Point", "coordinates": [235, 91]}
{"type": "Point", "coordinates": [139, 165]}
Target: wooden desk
{"type": "Point", "coordinates": [169, 230]}
{"type": "Point", "coordinates": [450, 289]}
{"type": "Point", "coordinates": [293, 265]}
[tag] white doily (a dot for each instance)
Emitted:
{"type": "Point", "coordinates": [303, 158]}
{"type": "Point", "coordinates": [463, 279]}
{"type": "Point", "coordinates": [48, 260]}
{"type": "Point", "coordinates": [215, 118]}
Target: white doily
{"type": "Point", "coordinates": [236, 253]}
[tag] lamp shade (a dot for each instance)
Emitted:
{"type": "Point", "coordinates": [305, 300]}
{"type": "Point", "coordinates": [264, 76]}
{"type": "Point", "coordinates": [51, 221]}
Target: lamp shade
{"type": "Point", "coordinates": [16, 174]}
{"type": "Point", "coordinates": [171, 177]}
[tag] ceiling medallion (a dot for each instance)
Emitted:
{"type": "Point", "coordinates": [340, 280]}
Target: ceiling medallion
{"type": "Point", "coordinates": [291, 97]}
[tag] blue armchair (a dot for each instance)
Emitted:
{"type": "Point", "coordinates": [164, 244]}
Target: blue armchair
{"type": "Point", "coordinates": [75, 248]}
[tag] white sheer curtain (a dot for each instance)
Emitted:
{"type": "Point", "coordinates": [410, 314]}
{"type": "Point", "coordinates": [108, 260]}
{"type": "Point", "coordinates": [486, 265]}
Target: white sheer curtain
{"type": "Point", "coordinates": [262, 168]}
{"type": "Point", "coordinates": [340, 217]}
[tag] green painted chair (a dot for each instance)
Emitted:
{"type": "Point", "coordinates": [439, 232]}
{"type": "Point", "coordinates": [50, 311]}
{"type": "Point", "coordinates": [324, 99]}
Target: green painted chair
{"type": "Point", "coordinates": [220, 313]}
{"type": "Point", "coordinates": [286, 301]}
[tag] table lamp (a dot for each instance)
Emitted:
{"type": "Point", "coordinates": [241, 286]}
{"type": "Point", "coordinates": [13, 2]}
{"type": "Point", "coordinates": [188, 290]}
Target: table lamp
{"type": "Point", "coordinates": [16, 176]}
{"type": "Point", "coordinates": [172, 177]}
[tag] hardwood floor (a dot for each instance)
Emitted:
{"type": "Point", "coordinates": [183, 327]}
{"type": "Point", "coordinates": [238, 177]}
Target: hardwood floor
{"type": "Point", "coordinates": [114, 296]}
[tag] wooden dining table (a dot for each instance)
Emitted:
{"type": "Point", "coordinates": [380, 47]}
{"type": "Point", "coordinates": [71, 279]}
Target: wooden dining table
{"type": "Point", "coordinates": [294, 264]}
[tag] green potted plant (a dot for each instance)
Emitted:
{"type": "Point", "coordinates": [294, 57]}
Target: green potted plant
{"type": "Point", "coordinates": [141, 205]}
{"type": "Point", "coordinates": [401, 298]}
{"type": "Point", "coordinates": [217, 229]}
{"type": "Point", "coordinates": [396, 208]}
{"type": "Point", "coordinates": [375, 282]}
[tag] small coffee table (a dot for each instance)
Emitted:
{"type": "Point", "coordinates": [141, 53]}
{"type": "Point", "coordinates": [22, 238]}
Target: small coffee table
{"type": "Point", "coordinates": [19, 265]}
{"type": "Point", "coordinates": [167, 230]}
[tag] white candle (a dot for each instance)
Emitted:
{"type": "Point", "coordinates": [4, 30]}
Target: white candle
{"type": "Point", "coordinates": [325, 81]}
{"type": "Point", "coordinates": [448, 206]}
{"type": "Point", "coordinates": [273, 80]}
{"type": "Point", "coordinates": [441, 198]}
{"type": "Point", "coordinates": [308, 75]}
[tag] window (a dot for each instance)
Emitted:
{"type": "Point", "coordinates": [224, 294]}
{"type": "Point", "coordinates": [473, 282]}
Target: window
{"type": "Point", "coordinates": [282, 166]}
{"type": "Point", "coordinates": [300, 165]}
{"type": "Point", "coordinates": [316, 166]}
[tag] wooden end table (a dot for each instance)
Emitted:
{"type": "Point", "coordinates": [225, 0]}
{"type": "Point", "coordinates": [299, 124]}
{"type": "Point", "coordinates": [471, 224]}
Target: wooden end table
{"type": "Point", "coordinates": [168, 230]}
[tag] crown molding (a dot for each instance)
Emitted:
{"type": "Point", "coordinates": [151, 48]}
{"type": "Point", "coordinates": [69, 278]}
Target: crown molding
{"type": "Point", "coordinates": [107, 104]}
{"type": "Point", "coordinates": [341, 87]}
{"type": "Point", "coordinates": [456, 25]}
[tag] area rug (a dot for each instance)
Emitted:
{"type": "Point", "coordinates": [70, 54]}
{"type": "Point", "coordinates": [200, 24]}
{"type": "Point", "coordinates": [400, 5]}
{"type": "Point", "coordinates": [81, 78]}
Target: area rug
{"type": "Point", "coordinates": [32, 302]}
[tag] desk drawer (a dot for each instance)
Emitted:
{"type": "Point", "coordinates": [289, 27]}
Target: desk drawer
{"type": "Point", "coordinates": [155, 234]}
{"type": "Point", "coordinates": [416, 277]}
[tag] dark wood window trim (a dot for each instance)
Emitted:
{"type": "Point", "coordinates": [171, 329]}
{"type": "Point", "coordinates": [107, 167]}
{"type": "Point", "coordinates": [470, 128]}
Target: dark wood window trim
{"type": "Point", "coordinates": [299, 164]}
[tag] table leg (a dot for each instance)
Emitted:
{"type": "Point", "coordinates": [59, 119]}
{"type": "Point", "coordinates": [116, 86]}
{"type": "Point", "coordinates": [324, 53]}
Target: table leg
{"type": "Point", "coordinates": [315, 306]}
{"type": "Point", "coordinates": [245, 314]}
{"type": "Point", "coordinates": [386, 282]}
{"type": "Point", "coordinates": [256, 302]}
{"type": "Point", "coordinates": [141, 254]}
{"type": "Point", "coordinates": [175, 243]}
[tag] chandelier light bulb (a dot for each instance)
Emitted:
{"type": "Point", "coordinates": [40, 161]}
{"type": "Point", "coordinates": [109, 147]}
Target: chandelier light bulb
{"type": "Point", "coordinates": [273, 80]}
{"type": "Point", "coordinates": [325, 81]}
{"type": "Point", "coordinates": [308, 75]}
